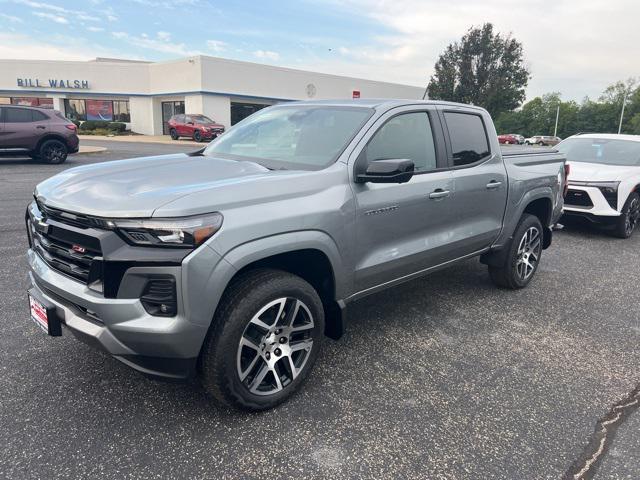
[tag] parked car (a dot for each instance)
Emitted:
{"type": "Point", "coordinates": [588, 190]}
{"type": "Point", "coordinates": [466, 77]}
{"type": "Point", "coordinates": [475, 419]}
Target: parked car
{"type": "Point", "coordinates": [198, 127]}
{"type": "Point", "coordinates": [40, 133]}
{"type": "Point", "coordinates": [542, 140]}
{"type": "Point", "coordinates": [510, 139]}
{"type": "Point", "coordinates": [605, 180]}
{"type": "Point", "coordinates": [233, 262]}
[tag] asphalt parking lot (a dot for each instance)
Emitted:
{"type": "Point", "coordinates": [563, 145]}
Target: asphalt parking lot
{"type": "Point", "coordinates": [444, 377]}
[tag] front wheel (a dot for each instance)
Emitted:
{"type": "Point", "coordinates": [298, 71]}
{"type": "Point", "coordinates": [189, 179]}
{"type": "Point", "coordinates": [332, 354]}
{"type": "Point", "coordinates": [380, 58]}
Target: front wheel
{"type": "Point", "coordinates": [53, 151]}
{"type": "Point", "coordinates": [629, 217]}
{"type": "Point", "coordinates": [523, 257]}
{"type": "Point", "coordinates": [264, 340]}
{"type": "Point", "coordinates": [197, 136]}
{"type": "Point", "coordinates": [174, 134]}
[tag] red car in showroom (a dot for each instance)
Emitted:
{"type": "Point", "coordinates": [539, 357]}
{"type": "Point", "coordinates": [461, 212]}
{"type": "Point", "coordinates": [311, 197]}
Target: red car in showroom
{"type": "Point", "coordinates": [199, 127]}
{"type": "Point", "coordinates": [510, 139]}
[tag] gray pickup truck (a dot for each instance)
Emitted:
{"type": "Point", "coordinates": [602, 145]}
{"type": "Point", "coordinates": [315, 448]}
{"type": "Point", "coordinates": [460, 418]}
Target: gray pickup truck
{"type": "Point", "coordinates": [234, 262]}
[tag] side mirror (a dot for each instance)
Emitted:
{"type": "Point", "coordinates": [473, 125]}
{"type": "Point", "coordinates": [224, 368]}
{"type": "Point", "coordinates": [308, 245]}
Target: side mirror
{"type": "Point", "coordinates": [189, 123]}
{"type": "Point", "coordinates": [396, 170]}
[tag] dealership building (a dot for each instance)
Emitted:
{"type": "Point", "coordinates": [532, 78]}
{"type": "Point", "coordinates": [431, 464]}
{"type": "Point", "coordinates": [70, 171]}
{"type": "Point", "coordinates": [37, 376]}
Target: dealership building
{"type": "Point", "coordinates": [146, 94]}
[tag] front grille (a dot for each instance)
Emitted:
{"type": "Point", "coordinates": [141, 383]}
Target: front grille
{"type": "Point", "coordinates": [63, 255]}
{"type": "Point", "coordinates": [578, 198]}
{"type": "Point", "coordinates": [66, 251]}
{"type": "Point", "coordinates": [74, 219]}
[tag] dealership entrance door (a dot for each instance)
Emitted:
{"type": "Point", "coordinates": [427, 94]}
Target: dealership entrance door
{"type": "Point", "coordinates": [240, 111]}
{"type": "Point", "coordinates": [169, 109]}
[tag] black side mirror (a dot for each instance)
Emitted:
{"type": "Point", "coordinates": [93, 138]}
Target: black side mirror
{"type": "Point", "coordinates": [396, 170]}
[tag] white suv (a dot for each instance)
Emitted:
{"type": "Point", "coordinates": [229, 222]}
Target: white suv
{"type": "Point", "coordinates": [604, 180]}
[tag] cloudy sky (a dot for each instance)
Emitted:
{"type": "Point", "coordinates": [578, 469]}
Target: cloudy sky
{"type": "Point", "coordinates": [576, 47]}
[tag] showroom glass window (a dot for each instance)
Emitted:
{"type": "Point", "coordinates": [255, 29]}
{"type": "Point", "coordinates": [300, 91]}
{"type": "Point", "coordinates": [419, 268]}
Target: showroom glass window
{"type": "Point", "coordinates": [469, 140]}
{"type": "Point", "coordinates": [121, 111]}
{"type": "Point", "coordinates": [75, 110]}
{"type": "Point", "coordinates": [32, 102]}
{"type": "Point", "coordinates": [99, 110]}
{"type": "Point", "coordinates": [105, 110]}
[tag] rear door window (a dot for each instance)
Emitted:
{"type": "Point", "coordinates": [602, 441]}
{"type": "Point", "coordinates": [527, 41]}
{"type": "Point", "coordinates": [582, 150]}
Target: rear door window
{"type": "Point", "coordinates": [38, 116]}
{"type": "Point", "coordinates": [469, 142]}
{"type": "Point", "coordinates": [18, 115]}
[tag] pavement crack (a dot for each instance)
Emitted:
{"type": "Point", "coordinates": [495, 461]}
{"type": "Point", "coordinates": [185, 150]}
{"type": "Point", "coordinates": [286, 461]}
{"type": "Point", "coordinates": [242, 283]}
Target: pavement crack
{"type": "Point", "coordinates": [586, 465]}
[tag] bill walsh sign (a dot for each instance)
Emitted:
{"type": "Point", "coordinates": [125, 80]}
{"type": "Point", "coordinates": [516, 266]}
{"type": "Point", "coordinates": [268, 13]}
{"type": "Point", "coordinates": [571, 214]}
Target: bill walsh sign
{"type": "Point", "coordinates": [52, 83]}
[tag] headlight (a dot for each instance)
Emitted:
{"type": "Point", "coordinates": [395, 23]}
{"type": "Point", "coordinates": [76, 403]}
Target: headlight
{"type": "Point", "coordinates": [605, 187]}
{"type": "Point", "coordinates": [609, 190]}
{"type": "Point", "coordinates": [185, 232]}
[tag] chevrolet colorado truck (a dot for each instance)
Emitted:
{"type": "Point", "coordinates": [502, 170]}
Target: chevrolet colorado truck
{"type": "Point", "coordinates": [234, 262]}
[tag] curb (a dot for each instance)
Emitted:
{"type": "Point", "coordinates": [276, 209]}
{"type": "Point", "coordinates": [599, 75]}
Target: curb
{"type": "Point", "coordinates": [90, 149]}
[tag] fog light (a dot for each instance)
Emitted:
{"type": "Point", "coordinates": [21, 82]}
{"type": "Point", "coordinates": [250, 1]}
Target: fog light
{"type": "Point", "coordinates": [159, 296]}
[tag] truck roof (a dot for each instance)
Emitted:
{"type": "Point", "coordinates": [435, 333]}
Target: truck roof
{"type": "Point", "coordinates": [378, 102]}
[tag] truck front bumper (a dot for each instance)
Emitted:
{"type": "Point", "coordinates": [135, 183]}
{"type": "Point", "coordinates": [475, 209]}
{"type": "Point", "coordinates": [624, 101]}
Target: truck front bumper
{"type": "Point", "coordinates": [161, 347]}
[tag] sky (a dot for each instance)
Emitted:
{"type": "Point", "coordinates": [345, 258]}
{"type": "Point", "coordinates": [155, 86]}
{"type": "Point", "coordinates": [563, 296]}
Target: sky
{"type": "Point", "coordinates": [575, 47]}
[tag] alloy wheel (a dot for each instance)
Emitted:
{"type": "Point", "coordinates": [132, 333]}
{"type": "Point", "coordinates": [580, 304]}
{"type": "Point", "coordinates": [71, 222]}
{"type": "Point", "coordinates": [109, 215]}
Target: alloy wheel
{"type": "Point", "coordinates": [275, 346]}
{"type": "Point", "coordinates": [53, 153]}
{"type": "Point", "coordinates": [528, 253]}
{"type": "Point", "coordinates": [631, 219]}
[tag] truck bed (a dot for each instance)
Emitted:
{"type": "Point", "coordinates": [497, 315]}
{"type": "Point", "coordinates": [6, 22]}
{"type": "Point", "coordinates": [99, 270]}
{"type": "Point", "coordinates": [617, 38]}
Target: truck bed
{"type": "Point", "coordinates": [510, 151]}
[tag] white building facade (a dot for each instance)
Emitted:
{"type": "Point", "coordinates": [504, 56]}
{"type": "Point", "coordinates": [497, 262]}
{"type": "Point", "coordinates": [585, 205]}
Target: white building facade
{"type": "Point", "coordinates": [145, 95]}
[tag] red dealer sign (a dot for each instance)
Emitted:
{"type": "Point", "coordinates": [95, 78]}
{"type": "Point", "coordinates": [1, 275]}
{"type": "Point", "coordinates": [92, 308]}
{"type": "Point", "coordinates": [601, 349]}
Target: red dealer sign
{"type": "Point", "coordinates": [356, 94]}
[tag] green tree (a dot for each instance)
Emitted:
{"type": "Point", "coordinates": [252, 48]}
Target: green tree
{"type": "Point", "coordinates": [484, 69]}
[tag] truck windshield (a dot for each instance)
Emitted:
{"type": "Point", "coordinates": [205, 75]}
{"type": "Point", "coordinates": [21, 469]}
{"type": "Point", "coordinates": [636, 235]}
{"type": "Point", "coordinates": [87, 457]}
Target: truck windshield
{"type": "Point", "coordinates": [292, 137]}
{"type": "Point", "coordinates": [601, 150]}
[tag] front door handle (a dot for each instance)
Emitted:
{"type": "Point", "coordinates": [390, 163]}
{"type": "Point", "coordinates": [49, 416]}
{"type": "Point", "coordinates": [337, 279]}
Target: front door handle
{"type": "Point", "coordinates": [493, 184]}
{"type": "Point", "coordinates": [439, 193]}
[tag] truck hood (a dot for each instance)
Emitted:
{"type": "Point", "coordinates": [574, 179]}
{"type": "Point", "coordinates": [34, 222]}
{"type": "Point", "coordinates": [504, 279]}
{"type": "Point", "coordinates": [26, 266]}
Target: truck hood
{"type": "Point", "coordinates": [139, 187]}
{"type": "Point", "coordinates": [597, 172]}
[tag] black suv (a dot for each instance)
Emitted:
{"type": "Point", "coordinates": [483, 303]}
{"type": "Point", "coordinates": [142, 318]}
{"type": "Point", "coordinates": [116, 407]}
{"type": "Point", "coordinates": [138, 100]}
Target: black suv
{"type": "Point", "coordinates": [40, 133]}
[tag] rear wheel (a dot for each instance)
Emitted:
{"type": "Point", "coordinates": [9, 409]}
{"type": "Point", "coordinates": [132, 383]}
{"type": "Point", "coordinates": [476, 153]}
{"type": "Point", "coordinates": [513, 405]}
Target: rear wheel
{"type": "Point", "coordinates": [541, 143]}
{"type": "Point", "coordinates": [264, 340]}
{"type": "Point", "coordinates": [53, 151]}
{"type": "Point", "coordinates": [523, 258]}
{"type": "Point", "coordinates": [174, 134]}
{"type": "Point", "coordinates": [197, 136]}
{"type": "Point", "coordinates": [629, 217]}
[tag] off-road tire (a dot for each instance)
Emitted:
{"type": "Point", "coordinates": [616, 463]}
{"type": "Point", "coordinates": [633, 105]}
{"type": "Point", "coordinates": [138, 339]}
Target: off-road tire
{"type": "Point", "coordinates": [243, 299]}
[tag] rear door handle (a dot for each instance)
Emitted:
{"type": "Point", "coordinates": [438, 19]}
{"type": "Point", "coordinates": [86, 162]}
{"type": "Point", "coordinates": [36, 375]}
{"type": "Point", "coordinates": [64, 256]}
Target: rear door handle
{"type": "Point", "coordinates": [41, 126]}
{"type": "Point", "coordinates": [493, 184]}
{"type": "Point", "coordinates": [439, 193]}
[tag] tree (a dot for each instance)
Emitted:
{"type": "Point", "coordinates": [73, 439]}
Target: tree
{"type": "Point", "coordinates": [537, 117]}
{"type": "Point", "coordinates": [484, 69]}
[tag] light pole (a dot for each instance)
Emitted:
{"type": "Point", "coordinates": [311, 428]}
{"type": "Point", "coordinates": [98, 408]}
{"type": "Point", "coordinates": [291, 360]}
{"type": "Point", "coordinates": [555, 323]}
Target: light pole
{"type": "Point", "coordinates": [624, 102]}
{"type": "Point", "coordinates": [555, 130]}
